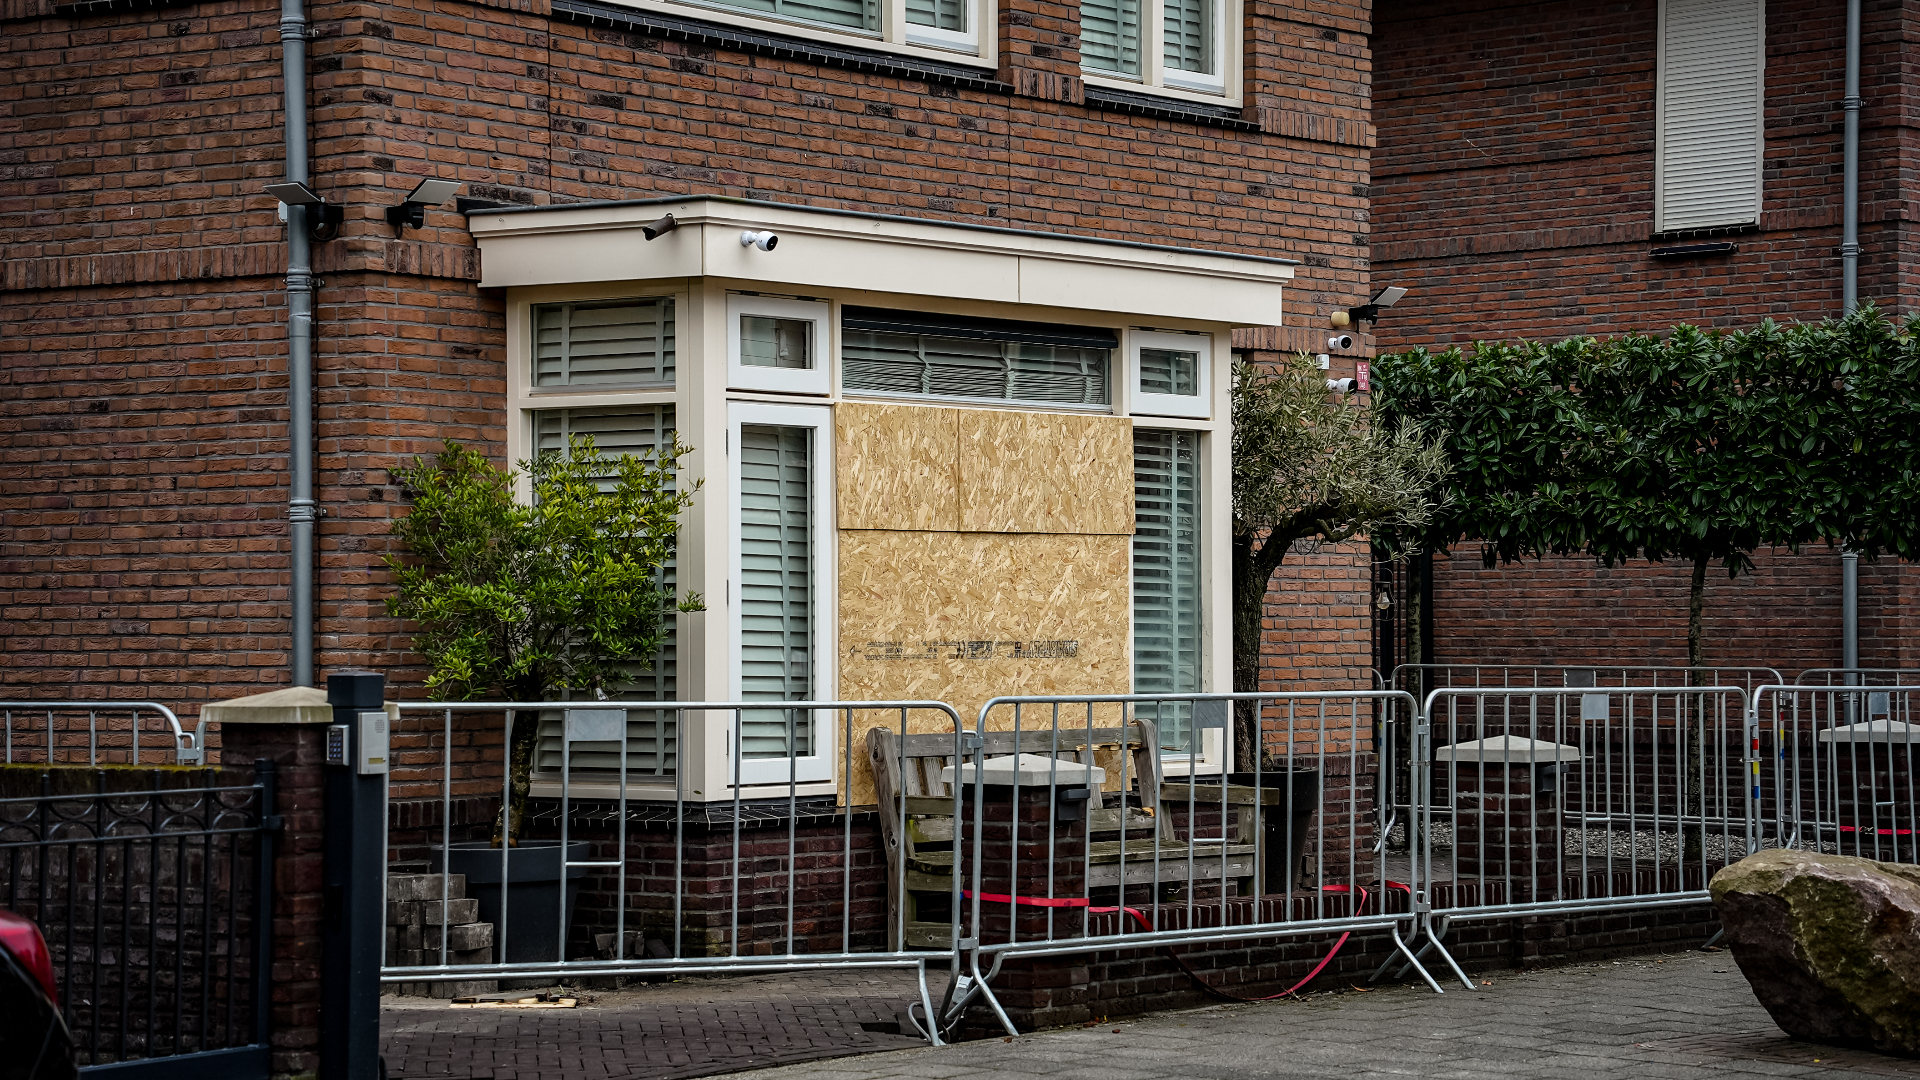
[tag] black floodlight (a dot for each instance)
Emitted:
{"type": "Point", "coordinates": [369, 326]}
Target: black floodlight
{"type": "Point", "coordinates": [660, 228]}
{"type": "Point", "coordinates": [413, 211]}
{"type": "Point", "coordinates": [1370, 311]}
{"type": "Point", "coordinates": [323, 217]}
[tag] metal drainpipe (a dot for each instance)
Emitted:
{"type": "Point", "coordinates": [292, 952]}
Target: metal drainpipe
{"type": "Point", "coordinates": [1849, 298]}
{"type": "Point", "coordinates": [302, 511]}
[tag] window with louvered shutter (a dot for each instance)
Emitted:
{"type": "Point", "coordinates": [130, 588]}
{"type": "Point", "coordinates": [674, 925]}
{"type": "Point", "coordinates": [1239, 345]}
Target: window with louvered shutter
{"type": "Point", "coordinates": [854, 14]}
{"type": "Point", "coordinates": [1110, 35]}
{"type": "Point", "coordinates": [652, 737]}
{"type": "Point", "coordinates": [1708, 151]}
{"type": "Point", "coordinates": [1188, 35]}
{"type": "Point", "coordinates": [776, 586]}
{"type": "Point", "coordinates": [955, 367]}
{"type": "Point", "coordinates": [628, 343]}
{"type": "Point", "coordinates": [1166, 576]}
{"type": "Point", "coordinates": [940, 14]}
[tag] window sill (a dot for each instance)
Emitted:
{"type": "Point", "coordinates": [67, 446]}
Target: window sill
{"type": "Point", "coordinates": [1142, 103]}
{"type": "Point", "coordinates": [720, 35]}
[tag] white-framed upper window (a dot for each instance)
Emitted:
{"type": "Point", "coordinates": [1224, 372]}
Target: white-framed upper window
{"type": "Point", "coordinates": [1709, 138]}
{"type": "Point", "coordinates": [947, 25]}
{"type": "Point", "coordinates": [780, 471]}
{"type": "Point", "coordinates": [778, 345]}
{"type": "Point", "coordinates": [1187, 47]}
{"type": "Point", "coordinates": [1171, 373]}
{"type": "Point", "coordinates": [604, 343]}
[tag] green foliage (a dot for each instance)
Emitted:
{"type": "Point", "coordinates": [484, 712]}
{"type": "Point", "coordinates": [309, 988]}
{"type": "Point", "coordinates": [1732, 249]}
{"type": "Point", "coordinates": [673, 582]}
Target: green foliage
{"type": "Point", "coordinates": [1310, 465]}
{"type": "Point", "coordinates": [1699, 445]}
{"type": "Point", "coordinates": [516, 599]}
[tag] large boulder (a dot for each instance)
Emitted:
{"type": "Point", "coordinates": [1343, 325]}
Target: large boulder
{"type": "Point", "coordinates": [1830, 943]}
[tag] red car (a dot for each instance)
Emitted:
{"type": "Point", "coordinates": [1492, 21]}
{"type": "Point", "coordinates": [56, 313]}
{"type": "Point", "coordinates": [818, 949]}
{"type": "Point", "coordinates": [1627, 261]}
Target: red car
{"type": "Point", "coordinates": [34, 1041]}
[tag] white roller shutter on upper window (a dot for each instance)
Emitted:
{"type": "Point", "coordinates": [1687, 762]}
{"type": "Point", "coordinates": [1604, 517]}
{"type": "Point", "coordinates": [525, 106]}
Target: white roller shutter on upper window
{"type": "Point", "coordinates": [1709, 139]}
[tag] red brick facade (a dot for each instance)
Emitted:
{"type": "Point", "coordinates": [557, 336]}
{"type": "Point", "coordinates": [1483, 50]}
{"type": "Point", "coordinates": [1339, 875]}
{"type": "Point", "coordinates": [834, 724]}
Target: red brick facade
{"type": "Point", "coordinates": [143, 442]}
{"type": "Point", "coordinates": [1513, 194]}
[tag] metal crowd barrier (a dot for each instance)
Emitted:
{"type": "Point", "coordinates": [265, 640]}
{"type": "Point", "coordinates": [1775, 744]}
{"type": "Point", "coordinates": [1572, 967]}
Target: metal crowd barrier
{"type": "Point", "coordinates": [1835, 769]}
{"type": "Point", "coordinates": [99, 733]}
{"type": "Point", "coordinates": [1554, 800]}
{"type": "Point", "coordinates": [637, 847]}
{"type": "Point", "coordinates": [1089, 830]}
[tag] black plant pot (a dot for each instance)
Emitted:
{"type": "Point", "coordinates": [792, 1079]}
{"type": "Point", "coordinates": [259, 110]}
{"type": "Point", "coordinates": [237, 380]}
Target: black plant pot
{"type": "Point", "coordinates": [1305, 785]}
{"type": "Point", "coordinates": [532, 879]}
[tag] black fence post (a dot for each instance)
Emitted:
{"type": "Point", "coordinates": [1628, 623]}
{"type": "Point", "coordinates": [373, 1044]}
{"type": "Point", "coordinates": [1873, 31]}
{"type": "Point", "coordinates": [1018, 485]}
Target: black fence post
{"type": "Point", "coordinates": [355, 857]}
{"type": "Point", "coordinates": [264, 777]}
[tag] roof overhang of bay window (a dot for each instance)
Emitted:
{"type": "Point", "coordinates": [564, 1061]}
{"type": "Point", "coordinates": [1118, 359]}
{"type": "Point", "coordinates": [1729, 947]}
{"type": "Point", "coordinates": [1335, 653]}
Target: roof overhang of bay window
{"type": "Point", "coordinates": [838, 249]}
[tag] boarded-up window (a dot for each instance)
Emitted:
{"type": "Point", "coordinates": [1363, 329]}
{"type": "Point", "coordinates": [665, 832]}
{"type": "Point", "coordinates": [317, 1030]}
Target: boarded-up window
{"type": "Point", "coordinates": [628, 343]}
{"type": "Point", "coordinates": [1709, 142]}
{"type": "Point", "coordinates": [652, 739]}
{"type": "Point", "coordinates": [1166, 576]}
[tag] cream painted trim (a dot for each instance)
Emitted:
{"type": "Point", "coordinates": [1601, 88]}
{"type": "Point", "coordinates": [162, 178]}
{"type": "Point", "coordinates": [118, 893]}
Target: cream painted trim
{"type": "Point", "coordinates": [1196, 405]}
{"type": "Point", "coordinates": [982, 50]}
{"type": "Point", "coordinates": [822, 344]}
{"type": "Point", "coordinates": [593, 243]}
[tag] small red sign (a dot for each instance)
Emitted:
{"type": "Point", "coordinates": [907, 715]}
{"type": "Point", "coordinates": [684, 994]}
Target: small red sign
{"type": "Point", "coordinates": [1360, 371]}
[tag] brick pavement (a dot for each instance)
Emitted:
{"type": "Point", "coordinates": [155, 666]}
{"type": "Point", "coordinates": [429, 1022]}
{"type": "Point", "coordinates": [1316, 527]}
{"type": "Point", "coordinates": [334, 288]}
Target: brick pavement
{"type": "Point", "coordinates": [1681, 1016]}
{"type": "Point", "coordinates": [694, 1027]}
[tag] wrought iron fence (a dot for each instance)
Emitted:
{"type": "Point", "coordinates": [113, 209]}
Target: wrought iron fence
{"type": "Point", "coordinates": [153, 889]}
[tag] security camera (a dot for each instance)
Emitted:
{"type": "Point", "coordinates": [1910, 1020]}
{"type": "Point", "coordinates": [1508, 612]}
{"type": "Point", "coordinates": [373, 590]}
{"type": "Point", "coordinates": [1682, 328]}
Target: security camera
{"type": "Point", "coordinates": [1340, 343]}
{"type": "Point", "coordinates": [1343, 386]}
{"type": "Point", "coordinates": [659, 228]}
{"type": "Point", "coordinates": [762, 240]}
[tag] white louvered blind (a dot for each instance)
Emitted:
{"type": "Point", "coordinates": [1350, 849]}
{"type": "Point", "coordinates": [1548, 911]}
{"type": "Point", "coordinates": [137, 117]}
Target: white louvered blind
{"type": "Point", "coordinates": [942, 14]}
{"type": "Point", "coordinates": [1188, 35]}
{"type": "Point", "coordinates": [776, 585]}
{"type": "Point", "coordinates": [970, 368]}
{"type": "Point", "coordinates": [1110, 35]}
{"type": "Point", "coordinates": [652, 737]}
{"type": "Point", "coordinates": [1708, 154]}
{"type": "Point", "coordinates": [1166, 575]}
{"type": "Point", "coordinates": [626, 344]}
{"type": "Point", "coordinates": [859, 14]}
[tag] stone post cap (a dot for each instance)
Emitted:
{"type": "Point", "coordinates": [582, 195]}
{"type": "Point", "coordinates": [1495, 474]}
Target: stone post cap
{"type": "Point", "coordinates": [1879, 732]}
{"type": "Point", "coordinates": [1031, 769]}
{"type": "Point", "coordinates": [1508, 750]}
{"type": "Point", "coordinates": [288, 705]}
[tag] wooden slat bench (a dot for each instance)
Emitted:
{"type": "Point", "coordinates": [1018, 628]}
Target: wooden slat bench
{"type": "Point", "coordinates": [913, 765]}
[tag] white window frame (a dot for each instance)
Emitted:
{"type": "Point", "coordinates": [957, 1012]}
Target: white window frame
{"type": "Point", "coordinates": [1212, 755]}
{"type": "Point", "coordinates": [817, 379]}
{"type": "Point", "coordinates": [1661, 123]}
{"type": "Point", "coordinates": [1200, 405]}
{"type": "Point", "coordinates": [817, 766]}
{"type": "Point", "coordinates": [978, 44]}
{"type": "Point", "coordinates": [1220, 88]}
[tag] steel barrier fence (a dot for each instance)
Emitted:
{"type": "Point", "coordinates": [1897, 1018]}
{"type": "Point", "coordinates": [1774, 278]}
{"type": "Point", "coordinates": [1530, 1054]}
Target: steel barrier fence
{"type": "Point", "coordinates": [1135, 857]}
{"type": "Point", "coordinates": [771, 875]}
{"type": "Point", "coordinates": [1838, 768]}
{"type": "Point", "coordinates": [1858, 676]}
{"type": "Point", "coordinates": [98, 733]}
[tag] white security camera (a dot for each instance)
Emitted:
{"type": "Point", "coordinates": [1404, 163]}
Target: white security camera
{"type": "Point", "coordinates": [762, 240]}
{"type": "Point", "coordinates": [1343, 386]}
{"type": "Point", "coordinates": [1340, 343]}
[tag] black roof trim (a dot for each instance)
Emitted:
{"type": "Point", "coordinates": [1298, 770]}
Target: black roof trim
{"type": "Point", "coordinates": [1190, 112]}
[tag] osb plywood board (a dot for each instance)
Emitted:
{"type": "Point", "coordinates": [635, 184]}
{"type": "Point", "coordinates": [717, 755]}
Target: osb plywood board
{"type": "Point", "coordinates": [1045, 473]}
{"type": "Point", "coordinates": [898, 466]}
{"type": "Point", "coordinates": [965, 617]}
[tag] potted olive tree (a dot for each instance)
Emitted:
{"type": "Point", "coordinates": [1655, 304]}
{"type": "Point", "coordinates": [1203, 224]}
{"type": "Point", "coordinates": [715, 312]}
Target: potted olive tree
{"type": "Point", "coordinates": [533, 599]}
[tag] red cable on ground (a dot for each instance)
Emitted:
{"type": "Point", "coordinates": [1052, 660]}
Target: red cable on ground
{"type": "Point", "coordinates": [1084, 902]}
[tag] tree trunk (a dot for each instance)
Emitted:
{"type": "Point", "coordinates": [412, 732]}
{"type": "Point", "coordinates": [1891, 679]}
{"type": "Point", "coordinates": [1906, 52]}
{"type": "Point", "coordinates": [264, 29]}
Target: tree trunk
{"type": "Point", "coordinates": [1253, 569]}
{"type": "Point", "coordinates": [523, 735]}
{"type": "Point", "coordinates": [1693, 719]}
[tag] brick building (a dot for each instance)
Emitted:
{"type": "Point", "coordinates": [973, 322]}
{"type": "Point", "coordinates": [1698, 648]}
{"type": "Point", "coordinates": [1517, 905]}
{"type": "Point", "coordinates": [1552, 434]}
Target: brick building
{"type": "Point", "coordinates": [1546, 170]}
{"type": "Point", "coordinates": [146, 551]}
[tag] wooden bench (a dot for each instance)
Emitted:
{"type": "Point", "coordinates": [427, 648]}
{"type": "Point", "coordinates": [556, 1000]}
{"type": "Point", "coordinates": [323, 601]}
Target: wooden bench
{"type": "Point", "coordinates": [912, 766]}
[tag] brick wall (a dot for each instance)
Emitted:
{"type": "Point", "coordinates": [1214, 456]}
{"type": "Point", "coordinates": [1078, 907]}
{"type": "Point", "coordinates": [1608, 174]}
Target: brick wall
{"type": "Point", "coordinates": [1513, 194]}
{"type": "Point", "coordinates": [142, 450]}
